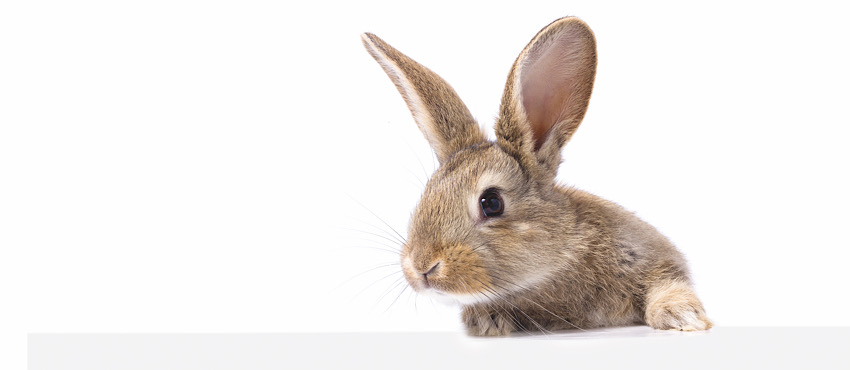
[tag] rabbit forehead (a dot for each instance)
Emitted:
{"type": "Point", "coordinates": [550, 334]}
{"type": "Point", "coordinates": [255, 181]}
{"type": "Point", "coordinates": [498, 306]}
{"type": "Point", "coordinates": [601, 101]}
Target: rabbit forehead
{"type": "Point", "coordinates": [448, 206]}
{"type": "Point", "coordinates": [475, 166]}
{"type": "Point", "coordinates": [472, 171]}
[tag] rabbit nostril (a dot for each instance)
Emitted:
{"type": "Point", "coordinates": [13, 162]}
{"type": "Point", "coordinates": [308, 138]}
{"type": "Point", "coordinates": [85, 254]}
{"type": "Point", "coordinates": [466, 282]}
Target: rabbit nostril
{"type": "Point", "coordinates": [430, 271]}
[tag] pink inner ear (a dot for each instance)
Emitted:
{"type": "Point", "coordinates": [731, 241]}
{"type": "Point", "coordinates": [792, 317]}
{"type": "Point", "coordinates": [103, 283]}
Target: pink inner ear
{"type": "Point", "coordinates": [547, 82]}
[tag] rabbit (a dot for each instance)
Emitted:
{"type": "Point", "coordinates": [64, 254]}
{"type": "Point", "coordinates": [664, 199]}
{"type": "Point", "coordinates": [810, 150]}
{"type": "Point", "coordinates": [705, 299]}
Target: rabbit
{"type": "Point", "coordinates": [495, 232]}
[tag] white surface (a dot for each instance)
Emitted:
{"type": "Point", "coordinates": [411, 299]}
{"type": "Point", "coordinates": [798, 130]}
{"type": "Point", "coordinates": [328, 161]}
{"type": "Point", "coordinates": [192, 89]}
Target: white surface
{"type": "Point", "coordinates": [618, 348]}
{"type": "Point", "coordinates": [188, 166]}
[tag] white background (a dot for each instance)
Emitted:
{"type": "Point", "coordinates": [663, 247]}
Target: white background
{"type": "Point", "coordinates": [200, 166]}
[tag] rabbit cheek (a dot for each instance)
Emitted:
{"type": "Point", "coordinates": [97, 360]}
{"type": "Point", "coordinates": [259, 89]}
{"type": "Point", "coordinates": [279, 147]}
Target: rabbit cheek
{"type": "Point", "coordinates": [465, 274]}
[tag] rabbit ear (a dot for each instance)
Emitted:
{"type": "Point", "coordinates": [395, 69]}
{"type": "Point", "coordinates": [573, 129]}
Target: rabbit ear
{"type": "Point", "coordinates": [438, 111]}
{"type": "Point", "coordinates": [547, 93]}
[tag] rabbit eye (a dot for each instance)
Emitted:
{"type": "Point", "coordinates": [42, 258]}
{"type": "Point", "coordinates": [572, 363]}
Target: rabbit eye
{"type": "Point", "coordinates": [491, 203]}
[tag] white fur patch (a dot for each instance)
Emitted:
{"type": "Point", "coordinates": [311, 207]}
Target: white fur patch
{"type": "Point", "coordinates": [456, 299]}
{"type": "Point", "coordinates": [407, 264]}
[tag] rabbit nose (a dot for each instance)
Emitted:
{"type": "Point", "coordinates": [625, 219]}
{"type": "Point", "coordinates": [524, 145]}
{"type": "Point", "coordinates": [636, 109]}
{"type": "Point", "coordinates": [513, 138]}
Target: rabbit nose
{"type": "Point", "coordinates": [431, 272]}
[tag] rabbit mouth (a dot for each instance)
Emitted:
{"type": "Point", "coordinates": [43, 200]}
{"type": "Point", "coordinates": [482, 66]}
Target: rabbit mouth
{"type": "Point", "coordinates": [452, 271]}
{"type": "Point", "coordinates": [446, 287]}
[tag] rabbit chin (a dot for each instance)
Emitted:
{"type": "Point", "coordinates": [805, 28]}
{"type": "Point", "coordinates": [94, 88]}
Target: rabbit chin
{"type": "Point", "coordinates": [452, 299]}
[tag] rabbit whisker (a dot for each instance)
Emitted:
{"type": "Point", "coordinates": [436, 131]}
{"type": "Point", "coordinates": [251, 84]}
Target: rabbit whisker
{"type": "Point", "coordinates": [383, 229]}
{"type": "Point", "coordinates": [403, 289]}
{"type": "Point", "coordinates": [377, 281]}
{"type": "Point", "coordinates": [421, 165]}
{"type": "Point", "coordinates": [511, 314]}
{"type": "Point", "coordinates": [402, 239]}
{"type": "Point", "coordinates": [492, 304]}
{"type": "Point", "coordinates": [535, 323]}
{"type": "Point", "coordinates": [394, 243]}
{"type": "Point", "coordinates": [393, 286]}
{"type": "Point", "coordinates": [527, 290]}
{"type": "Point", "coordinates": [535, 303]}
{"type": "Point", "coordinates": [365, 272]}
{"type": "Point", "coordinates": [413, 295]}
{"type": "Point", "coordinates": [376, 248]}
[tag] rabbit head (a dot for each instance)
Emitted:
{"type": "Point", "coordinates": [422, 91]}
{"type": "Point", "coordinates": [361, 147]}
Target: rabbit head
{"type": "Point", "coordinates": [490, 220]}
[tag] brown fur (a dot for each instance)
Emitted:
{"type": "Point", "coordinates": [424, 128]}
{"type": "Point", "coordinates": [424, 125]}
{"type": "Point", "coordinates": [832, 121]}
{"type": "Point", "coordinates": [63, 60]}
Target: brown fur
{"type": "Point", "coordinates": [449, 125]}
{"type": "Point", "coordinates": [558, 257]}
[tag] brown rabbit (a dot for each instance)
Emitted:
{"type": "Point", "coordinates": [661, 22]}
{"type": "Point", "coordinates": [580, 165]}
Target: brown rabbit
{"type": "Point", "coordinates": [495, 232]}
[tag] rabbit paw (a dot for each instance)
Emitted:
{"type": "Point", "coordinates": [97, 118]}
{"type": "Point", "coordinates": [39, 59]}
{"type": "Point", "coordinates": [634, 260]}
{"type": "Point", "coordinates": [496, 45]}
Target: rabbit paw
{"type": "Point", "coordinates": [678, 317]}
{"type": "Point", "coordinates": [674, 306]}
{"type": "Point", "coordinates": [482, 322]}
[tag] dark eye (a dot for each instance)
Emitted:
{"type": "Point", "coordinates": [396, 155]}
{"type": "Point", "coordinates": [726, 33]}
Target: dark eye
{"type": "Point", "coordinates": [491, 203]}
